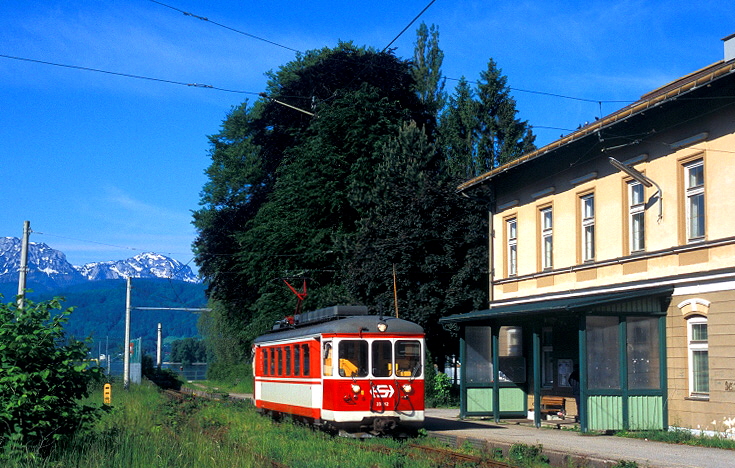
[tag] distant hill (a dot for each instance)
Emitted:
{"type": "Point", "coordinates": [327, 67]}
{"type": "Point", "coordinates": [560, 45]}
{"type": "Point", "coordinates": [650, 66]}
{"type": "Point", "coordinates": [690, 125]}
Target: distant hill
{"type": "Point", "coordinates": [99, 310]}
{"type": "Point", "coordinates": [97, 292]}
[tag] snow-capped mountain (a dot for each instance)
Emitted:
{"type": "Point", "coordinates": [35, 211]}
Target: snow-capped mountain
{"type": "Point", "coordinates": [46, 266]}
{"type": "Point", "coordinates": [49, 267]}
{"type": "Point", "coordinates": [145, 265]}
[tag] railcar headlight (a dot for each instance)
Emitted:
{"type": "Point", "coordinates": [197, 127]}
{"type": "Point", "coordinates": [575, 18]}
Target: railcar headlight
{"type": "Point", "coordinates": [355, 388]}
{"type": "Point", "coordinates": [407, 388]}
{"type": "Point", "coordinates": [382, 326]}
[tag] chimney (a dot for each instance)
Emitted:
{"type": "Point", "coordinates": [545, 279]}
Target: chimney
{"type": "Point", "coordinates": [729, 47]}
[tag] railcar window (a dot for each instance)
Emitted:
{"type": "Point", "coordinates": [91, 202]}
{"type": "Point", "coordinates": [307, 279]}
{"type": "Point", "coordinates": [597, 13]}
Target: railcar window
{"type": "Point", "coordinates": [297, 360]}
{"type": "Point", "coordinates": [264, 358]}
{"type": "Point", "coordinates": [382, 351]}
{"type": "Point", "coordinates": [408, 358]}
{"type": "Point", "coordinates": [327, 366]}
{"type": "Point", "coordinates": [279, 354]}
{"type": "Point", "coordinates": [288, 360]}
{"type": "Point", "coordinates": [305, 353]}
{"type": "Point", "coordinates": [272, 360]}
{"type": "Point", "coordinates": [353, 358]}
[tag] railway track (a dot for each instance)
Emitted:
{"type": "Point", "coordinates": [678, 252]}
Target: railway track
{"type": "Point", "coordinates": [443, 457]}
{"type": "Point", "coordinates": [451, 458]}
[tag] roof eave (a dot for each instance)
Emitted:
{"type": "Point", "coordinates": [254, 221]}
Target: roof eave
{"type": "Point", "coordinates": [650, 100]}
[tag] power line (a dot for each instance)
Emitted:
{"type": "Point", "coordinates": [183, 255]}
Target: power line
{"type": "Point", "coordinates": [542, 93]}
{"type": "Point", "coordinates": [122, 247]}
{"type": "Point", "coordinates": [409, 25]}
{"type": "Point", "coordinates": [204, 18]}
{"type": "Point", "coordinates": [126, 75]}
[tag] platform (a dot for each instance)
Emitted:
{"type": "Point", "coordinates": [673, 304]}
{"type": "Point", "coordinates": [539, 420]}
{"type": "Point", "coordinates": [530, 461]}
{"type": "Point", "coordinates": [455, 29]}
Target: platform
{"type": "Point", "coordinates": [565, 445]}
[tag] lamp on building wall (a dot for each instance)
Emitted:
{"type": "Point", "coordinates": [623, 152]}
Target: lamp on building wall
{"type": "Point", "coordinates": [645, 181]}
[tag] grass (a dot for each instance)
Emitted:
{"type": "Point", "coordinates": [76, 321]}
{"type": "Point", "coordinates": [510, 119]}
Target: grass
{"type": "Point", "coordinates": [144, 429]}
{"type": "Point", "coordinates": [683, 437]}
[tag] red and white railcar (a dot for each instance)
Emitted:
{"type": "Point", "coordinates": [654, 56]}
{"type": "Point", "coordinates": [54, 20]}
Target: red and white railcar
{"type": "Point", "coordinates": [343, 369]}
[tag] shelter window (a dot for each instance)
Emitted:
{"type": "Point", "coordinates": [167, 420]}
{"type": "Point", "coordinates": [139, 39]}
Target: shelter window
{"type": "Point", "coordinates": [695, 216]}
{"type": "Point", "coordinates": [636, 220]}
{"type": "Point", "coordinates": [697, 335]}
{"type": "Point", "coordinates": [603, 352]}
{"type": "Point", "coordinates": [644, 367]}
{"type": "Point", "coordinates": [547, 351]}
{"type": "Point", "coordinates": [353, 358]}
{"type": "Point", "coordinates": [511, 363]}
{"type": "Point", "coordinates": [478, 366]}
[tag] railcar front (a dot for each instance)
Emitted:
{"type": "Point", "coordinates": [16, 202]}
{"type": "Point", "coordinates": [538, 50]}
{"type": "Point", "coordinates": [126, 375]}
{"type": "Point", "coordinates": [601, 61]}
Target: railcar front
{"type": "Point", "coordinates": [365, 373]}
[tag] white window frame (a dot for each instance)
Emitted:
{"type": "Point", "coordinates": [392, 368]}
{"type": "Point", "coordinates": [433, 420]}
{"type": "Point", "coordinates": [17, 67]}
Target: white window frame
{"type": "Point", "coordinates": [512, 236]}
{"type": "Point", "coordinates": [636, 216]}
{"type": "Point", "coordinates": [694, 191]}
{"type": "Point", "coordinates": [587, 213]}
{"type": "Point", "coordinates": [694, 347]}
{"type": "Point", "coordinates": [547, 238]}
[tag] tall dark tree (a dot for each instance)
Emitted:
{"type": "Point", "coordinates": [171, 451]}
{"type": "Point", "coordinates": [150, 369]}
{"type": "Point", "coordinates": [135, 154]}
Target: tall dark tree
{"type": "Point", "coordinates": [459, 132]}
{"type": "Point", "coordinates": [502, 136]}
{"type": "Point", "coordinates": [416, 224]}
{"type": "Point", "coordinates": [285, 187]}
{"type": "Point", "coordinates": [427, 69]}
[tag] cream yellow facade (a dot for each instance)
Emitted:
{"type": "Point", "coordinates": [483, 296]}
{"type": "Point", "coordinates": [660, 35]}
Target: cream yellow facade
{"type": "Point", "coordinates": [623, 231]}
{"type": "Point", "coordinates": [666, 253]}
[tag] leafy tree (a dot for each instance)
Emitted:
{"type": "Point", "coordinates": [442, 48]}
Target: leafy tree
{"type": "Point", "coordinates": [43, 376]}
{"type": "Point", "coordinates": [285, 188]}
{"type": "Point", "coordinates": [341, 196]}
{"type": "Point", "coordinates": [188, 351]}
{"type": "Point", "coordinates": [417, 223]}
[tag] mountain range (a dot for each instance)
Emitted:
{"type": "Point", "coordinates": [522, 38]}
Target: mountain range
{"type": "Point", "coordinates": [48, 269]}
{"type": "Point", "coordinates": [97, 293]}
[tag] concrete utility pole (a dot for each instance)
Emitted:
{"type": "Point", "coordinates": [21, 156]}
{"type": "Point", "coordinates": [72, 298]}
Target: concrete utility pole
{"type": "Point", "coordinates": [126, 350]}
{"type": "Point", "coordinates": [23, 264]}
{"type": "Point", "coordinates": [158, 348]}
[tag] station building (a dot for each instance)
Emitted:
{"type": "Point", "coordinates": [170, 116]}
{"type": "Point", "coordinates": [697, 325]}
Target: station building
{"type": "Point", "coordinates": [612, 252]}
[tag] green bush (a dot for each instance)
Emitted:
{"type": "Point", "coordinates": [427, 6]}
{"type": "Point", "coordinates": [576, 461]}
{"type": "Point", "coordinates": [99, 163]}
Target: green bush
{"type": "Point", "coordinates": [43, 377]}
{"type": "Point", "coordinates": [523, 453]}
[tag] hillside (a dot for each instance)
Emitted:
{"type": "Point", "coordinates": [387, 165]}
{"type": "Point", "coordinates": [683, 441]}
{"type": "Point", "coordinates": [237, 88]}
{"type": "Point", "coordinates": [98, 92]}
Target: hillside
{"type": "Point", "coordinates": [100, 310]}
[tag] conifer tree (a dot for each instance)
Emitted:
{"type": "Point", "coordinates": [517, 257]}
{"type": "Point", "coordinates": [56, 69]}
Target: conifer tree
{"type": "Point", "coordinates": [502, 136]}
{"type": "Point", "coordinates": [426, 69]}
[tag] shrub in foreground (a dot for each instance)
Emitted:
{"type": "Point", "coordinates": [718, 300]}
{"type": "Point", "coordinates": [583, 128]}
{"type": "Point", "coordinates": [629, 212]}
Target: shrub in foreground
{"type": "Point", "coordinates": [43, 377]}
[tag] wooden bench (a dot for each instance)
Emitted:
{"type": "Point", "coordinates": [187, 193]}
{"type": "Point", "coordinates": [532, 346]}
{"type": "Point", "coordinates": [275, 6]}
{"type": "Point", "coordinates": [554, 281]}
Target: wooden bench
{"type": "Point", "coordinates": [552, 404]}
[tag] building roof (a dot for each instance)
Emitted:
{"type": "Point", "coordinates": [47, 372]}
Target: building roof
{"type": "Point", "coordinates": [568, 304]}
{"type": "Point", "coordinates": [677, 89]}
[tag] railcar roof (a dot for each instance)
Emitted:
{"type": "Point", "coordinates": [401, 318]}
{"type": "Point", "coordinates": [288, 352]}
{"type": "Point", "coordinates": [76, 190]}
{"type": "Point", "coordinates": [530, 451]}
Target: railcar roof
{"type": "Point", "coordinates": [364, 323]}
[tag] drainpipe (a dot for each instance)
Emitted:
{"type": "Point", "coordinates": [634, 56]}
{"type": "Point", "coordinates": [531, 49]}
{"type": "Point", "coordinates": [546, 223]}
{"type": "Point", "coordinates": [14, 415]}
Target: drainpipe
{"type": "Point", "coordinates": [491, 248]}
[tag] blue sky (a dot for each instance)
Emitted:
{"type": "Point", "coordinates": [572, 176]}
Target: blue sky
{"type": "Point", "coordinates": [106, 166]}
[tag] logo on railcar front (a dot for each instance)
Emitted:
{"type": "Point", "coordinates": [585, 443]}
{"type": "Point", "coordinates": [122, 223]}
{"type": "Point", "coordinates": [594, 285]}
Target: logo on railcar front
{"type": "Point", "coordinates": [382, 391]}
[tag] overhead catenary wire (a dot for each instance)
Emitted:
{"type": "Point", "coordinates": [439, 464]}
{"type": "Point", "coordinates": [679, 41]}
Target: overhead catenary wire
{"type": "Point", "coordinates": [204, 18]}
{"type": "Point", "coordinates": [126, 75]}
{"type": "Point", "coordinates": [543, 93]}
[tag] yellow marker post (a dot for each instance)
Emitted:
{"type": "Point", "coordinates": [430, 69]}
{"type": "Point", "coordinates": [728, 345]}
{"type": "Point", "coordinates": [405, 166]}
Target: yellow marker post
{"type": "Point", "coordinates": [107, 394]}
